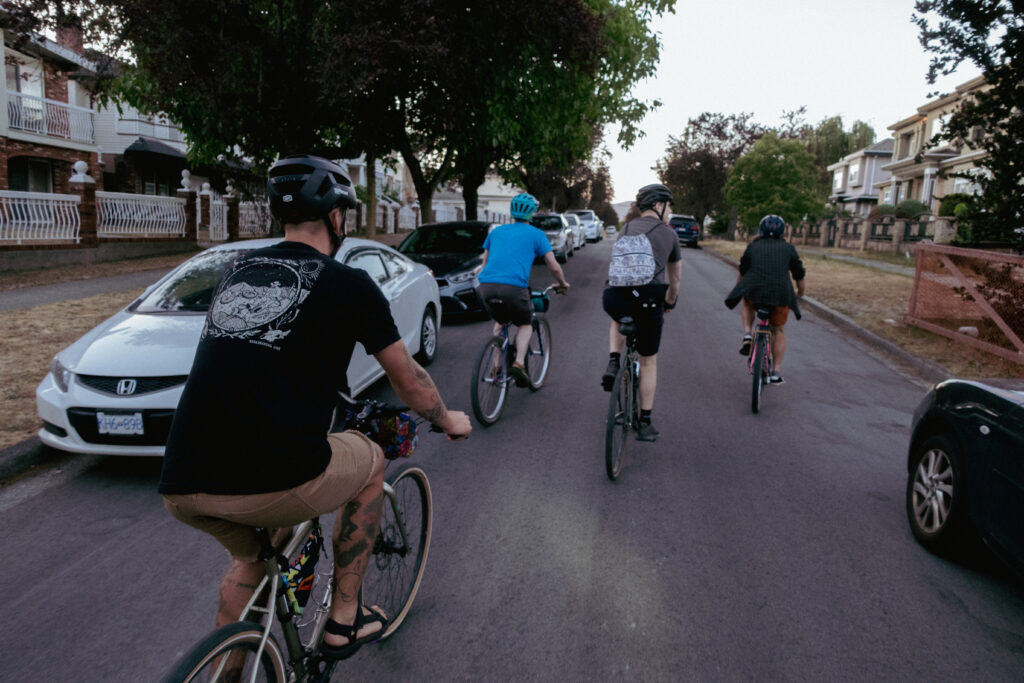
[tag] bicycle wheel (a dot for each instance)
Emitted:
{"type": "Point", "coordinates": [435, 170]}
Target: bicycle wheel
{"type": "Point", "coordinates": [538, 357]}
{"type": "Point", "coordinates": [398, 560]}
{"type": "Point", "coordinates": [239, 643]}
{"type": "Point", "coordinates": [490, 383]}
{"type": "Point", "coordinates": [620, 421]}
{"type": "Point", "coordinates": [758, 369]}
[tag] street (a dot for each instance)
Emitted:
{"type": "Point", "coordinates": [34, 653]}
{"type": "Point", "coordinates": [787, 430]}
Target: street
{"type": "Point", "coordinates": [737, 547]}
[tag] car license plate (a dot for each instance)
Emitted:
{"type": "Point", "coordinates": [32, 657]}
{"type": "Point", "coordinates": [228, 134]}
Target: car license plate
{"type": "Point", "coordinates": [120, 424]}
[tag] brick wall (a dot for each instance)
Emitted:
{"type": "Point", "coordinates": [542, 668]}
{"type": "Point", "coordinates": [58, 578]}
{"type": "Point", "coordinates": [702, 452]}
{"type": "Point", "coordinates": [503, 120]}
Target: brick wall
{"type": "Point", "coordinates": [55, 83]}
{"type": "Point", "coordinates": [63, 158]}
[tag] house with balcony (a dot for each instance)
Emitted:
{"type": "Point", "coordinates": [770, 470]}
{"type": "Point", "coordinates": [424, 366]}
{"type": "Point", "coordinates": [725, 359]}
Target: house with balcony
{"type": "Point", "coordinates": [923, 161]}
{"type": "Point", "coordinates": [855, 176]}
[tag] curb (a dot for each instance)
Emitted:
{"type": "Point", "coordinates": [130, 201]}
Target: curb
{"type": "Point", "coordinates": [926, 369]}
{"type": "Point", "coordinates": [19, 458]}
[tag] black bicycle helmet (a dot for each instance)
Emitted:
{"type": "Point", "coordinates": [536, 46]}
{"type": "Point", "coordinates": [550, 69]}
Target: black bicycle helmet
{"type": "Point", "coordinates": [772, 226]}
{"type": "Point", "coordinates": [649, 195]}
{"type": "Point", "coordinates": [303, 187]}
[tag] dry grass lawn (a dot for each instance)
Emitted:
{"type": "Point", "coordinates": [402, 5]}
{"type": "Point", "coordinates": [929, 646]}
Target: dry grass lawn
{"type": "Point", "coordinates": [877, 300]}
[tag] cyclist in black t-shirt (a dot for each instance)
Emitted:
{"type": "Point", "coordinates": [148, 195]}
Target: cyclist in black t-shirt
{"type": "Point", "coordinates": [249, 444]}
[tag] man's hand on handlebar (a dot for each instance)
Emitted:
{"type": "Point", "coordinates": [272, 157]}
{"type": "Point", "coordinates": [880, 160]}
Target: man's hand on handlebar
{"type": "Point", "coordinates": [455, 424]}
{"type": "Point", "coordinates": [561, 288]}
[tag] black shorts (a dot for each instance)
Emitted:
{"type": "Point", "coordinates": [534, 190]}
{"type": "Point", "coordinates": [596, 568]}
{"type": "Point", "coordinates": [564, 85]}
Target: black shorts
{"type": "Point", "coordinates": [646, 305]}
{"type": "Point", "coordinates": [506, 303]}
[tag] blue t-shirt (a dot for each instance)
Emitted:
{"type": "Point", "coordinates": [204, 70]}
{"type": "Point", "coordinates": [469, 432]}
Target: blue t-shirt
{"type": "Point", "coordinates": [511, 249]}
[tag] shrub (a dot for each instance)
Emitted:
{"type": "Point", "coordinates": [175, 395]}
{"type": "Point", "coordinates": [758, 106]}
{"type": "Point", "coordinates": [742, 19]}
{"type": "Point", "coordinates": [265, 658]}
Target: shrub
{"type": "Point", "coordinates": [720, 225]}
{"type": "Point", "coordinates": [949, 203]}
{"type": "Point", "coordinates": [881, 211]}
{"type": "Point", "coordinates": [910, 208]}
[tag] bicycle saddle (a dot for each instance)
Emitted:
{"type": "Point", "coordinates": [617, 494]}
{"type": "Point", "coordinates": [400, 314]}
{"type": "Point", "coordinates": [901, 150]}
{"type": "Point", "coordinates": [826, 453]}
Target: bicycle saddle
{"type": "Point", "coordinates": [627, 326]}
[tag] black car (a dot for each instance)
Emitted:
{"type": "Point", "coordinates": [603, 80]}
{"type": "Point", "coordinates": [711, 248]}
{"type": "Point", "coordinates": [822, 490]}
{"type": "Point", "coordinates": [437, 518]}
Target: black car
{"type": "Point", "coordinates": [966, 468]}
{"type": "Point", "coordinates": [454, 252]}
{"type": "Point", "coordinates": [686, 229]}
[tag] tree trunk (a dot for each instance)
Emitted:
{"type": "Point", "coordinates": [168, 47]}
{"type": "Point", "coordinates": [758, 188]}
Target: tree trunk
{"type": "Point", "coordinates": [471, 182]}
{"type": "Point", "coordinates": [731, 232]}
{"type": "Point", "coordinates": [371, 194]}
{"type": "Point", "coordinates": [424, 186]}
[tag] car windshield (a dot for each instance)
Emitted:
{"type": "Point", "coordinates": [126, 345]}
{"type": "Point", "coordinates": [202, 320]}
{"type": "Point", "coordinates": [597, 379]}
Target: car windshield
{"type": "Point", "coordinates": [463, 239]}
{"type": "Point", "coordinates": [584, 215]}
{"type": "Point", "coordinates": [191, 286]}
{"type": "Point", "coordinates": [547, 222]}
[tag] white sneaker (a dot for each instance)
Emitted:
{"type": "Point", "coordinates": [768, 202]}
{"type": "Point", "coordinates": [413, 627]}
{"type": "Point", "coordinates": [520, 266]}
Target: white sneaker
{"type": "Point", "coordinates": [776, 379]}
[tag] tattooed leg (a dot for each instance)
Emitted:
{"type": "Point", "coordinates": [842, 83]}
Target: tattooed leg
{"type": "Point", "coordinates": [236, 588]}
{"type": "Point", "coordinates": [355, 530]}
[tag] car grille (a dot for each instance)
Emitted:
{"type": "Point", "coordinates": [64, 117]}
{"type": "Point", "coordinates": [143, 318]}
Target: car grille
{"type": "Point", "coordinates": [143, 385]}
{"type": "Point", "coordinates": [156, 425]}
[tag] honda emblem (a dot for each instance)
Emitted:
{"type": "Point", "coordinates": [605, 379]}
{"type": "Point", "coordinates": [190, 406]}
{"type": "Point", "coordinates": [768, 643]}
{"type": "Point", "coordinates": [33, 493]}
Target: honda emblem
{"type": "Point", "coordinates": [126, 387]}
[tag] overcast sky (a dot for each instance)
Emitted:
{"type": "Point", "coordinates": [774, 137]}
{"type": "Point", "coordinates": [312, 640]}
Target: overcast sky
{"type": "Point", "coordinates": [858, 59]}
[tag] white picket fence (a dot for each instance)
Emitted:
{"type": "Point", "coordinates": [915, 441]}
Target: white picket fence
{"type": "Point", "coordinates": [36, 216]}
{"type": "Point", "coordinates": [138, 215]}
{"type": "Point", "coordinates": [218, 220]}
{"type": "Point", "coordinates": [254, 218]}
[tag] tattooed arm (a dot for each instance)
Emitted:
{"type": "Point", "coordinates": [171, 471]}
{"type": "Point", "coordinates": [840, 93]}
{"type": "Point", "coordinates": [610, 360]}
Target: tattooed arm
{"type": "Point", "coordinates": [414, 386]}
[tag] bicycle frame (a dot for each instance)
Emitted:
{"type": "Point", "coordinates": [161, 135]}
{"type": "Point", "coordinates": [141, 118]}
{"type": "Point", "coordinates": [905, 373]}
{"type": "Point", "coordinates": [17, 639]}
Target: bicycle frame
{"type": "Point", "coordinates": [763, 330]}
{"type": "Point", "coordinates": [275, 562]}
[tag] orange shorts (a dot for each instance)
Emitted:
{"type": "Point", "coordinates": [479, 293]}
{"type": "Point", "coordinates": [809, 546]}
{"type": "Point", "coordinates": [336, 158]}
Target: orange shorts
{"type": "Point", "coordinates": [779, 314]}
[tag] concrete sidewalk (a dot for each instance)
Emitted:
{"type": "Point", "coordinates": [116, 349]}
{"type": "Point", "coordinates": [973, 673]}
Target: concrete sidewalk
{"type": "Point", "coordinates": [27, 297]}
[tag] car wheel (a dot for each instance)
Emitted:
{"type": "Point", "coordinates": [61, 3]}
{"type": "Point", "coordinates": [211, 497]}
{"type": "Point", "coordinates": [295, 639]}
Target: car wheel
{"type": "Point", "coordinates": [428, 338]}
{"type": "Point", "coordinates": [936, 495]}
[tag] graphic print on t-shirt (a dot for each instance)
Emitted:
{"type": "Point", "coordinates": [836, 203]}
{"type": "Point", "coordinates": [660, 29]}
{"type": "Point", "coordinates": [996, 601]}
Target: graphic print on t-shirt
{"type": "Point", "coordinates": [260, 299]}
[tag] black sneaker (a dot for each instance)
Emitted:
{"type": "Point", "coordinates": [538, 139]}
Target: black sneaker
{"type": "Point", "coordinates": [745, 346]}
{"type": "Point", "coordinates": [776, 379]}
{"type": "Point", "coordinates": [646, 432]}
{"type": "Point", "coordinates": [608, 378]}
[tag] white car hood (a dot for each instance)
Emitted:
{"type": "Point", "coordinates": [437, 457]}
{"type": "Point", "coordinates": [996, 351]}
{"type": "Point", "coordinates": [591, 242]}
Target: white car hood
{"type": "Point", "coordinates": [146, 345]}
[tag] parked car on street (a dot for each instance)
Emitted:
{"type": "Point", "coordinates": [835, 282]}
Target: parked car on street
{"type": "Point", "coordinates": [559, 234]}
{"type": "Point", "coordinates": [453, 251]}
{"type": "Point", "coordinates": [578, 239]}
{"type": "Point", "coordinates": [686, 229]}
{"type": "Point", "coordinates": [592, 228]}
{"type": "Point", "coordinates": [965, 468]}
{"type": "Point", "coordinates": [115, 390]}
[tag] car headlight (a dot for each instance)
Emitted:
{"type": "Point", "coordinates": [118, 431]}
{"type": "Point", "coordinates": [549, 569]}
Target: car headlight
{"type": "Point", "coordinates": [463, 276]}
{"type": "Point", "coordinates": [61, 375]}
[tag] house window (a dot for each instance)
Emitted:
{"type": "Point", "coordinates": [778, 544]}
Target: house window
{"type": "Point", "coordinates": [24, 75]}
{"type": "Point", "coordinates": [887, 196]}
{"type": "Point", "coordinates": [965, 186]}
{"type": "Point", "coordinates": [837, 179]}
{"type": "Point", "coordinates": [30, 175]}
{"type": "Point", "coordinates": [854, 172]}
{"type": "Point", "coordinates": [906, 140]}
{"type": "Point", "coordinates": [938, 127]}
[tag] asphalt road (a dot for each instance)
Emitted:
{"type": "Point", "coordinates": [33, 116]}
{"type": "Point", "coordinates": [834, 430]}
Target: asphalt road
{"type": "Point", "coordinates": [737, 547]}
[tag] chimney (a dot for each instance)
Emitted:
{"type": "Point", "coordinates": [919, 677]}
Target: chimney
{"type": "Point", "coordinates": [71, 38]}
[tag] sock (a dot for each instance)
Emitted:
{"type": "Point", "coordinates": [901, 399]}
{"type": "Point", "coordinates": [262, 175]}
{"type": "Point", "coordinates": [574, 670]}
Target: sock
{"type": "Point", "coordinates": [645, 416]}
{"type": "Point", "coordinates": [614, 356]}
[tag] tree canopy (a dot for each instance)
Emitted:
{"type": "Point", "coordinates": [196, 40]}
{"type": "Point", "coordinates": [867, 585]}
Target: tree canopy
{"type": "Point", "coordinates": [989, 34]}
{"type": "Point", "coordinates": [777, 176]}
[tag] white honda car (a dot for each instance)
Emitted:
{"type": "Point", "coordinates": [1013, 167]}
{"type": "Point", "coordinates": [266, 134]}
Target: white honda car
{"type": "Point", "coordinates": [115, 390]}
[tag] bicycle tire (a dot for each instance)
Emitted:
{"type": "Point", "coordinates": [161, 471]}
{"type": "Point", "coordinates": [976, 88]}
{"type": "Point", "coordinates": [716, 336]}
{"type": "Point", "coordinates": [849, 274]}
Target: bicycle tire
{"type": "Point", "coordinates": [490, 383]}
{"type": "Point", "coordinates": [758, 371]}
{"type": "Point", "coordinates": [396, 570]}
{"type": "Point", "coordinates": [200, 663]}
{"type": "Point", "coordinates": [619, 423]}
{"type": "Point", "coordinates": [538, 356]}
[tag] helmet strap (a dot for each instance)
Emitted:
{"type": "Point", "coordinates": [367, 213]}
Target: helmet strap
{"type": "Point", "coordinates": [334, 237]}
{"type": "Point", "coordinates": [661, 214]}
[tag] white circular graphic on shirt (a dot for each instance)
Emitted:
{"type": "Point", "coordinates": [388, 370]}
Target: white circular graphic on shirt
{"type": "Point", "coordinates": [256, 295]}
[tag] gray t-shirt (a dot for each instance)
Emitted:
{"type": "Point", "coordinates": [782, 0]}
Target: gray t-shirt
{"type": "Point", "coordinates": [663, 239]}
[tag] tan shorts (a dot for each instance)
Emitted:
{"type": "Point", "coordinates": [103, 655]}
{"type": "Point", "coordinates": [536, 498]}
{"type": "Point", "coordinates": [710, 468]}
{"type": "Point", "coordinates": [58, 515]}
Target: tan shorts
{"type": "Point", "coordinates": [230, 519]}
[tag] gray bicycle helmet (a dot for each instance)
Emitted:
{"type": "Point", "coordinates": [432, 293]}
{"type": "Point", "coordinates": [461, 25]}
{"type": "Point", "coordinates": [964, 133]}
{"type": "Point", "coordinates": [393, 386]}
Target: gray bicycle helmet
{"type": "Point", "coordinates": [649, 195]}
{"type": "Point", "coordinates": [772, 226]}
{"type": "Point", "coordinates": [303, 187]}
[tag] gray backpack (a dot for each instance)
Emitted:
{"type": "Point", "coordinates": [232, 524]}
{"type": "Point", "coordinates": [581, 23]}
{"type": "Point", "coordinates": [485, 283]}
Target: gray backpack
{"type": "Point", "coordinates": [633, 262]}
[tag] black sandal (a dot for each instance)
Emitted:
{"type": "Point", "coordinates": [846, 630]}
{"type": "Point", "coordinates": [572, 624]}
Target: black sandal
{"type": "Point", "coordinates": [349, 631]}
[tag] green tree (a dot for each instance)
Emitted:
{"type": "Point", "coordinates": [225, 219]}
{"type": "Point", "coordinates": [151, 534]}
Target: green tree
{"type": "Point", "coordinates": [696, 164]}
{"type": "Point", "coordinates": [776, 176]}
{"type": "Point", "coordinates": [989, 34]}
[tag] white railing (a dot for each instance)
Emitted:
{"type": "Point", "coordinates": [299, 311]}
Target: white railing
{"type": "Point", "coordinates": [138, 215]}
{"type": "Point", "coordinates": [38, 216]}
{"type": "Point", "coordinates": [445, 212]}
{"type": "Point", "coordinates": [406, 218]}
{"type": "Point", "coordinates": [218, 220]}
{"type": "Point", "coordinates": [254, 218]}
{"type": "Point", "coordinates": [162, 130]}
{"type": "Point", "coordinates": [48, 117]}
